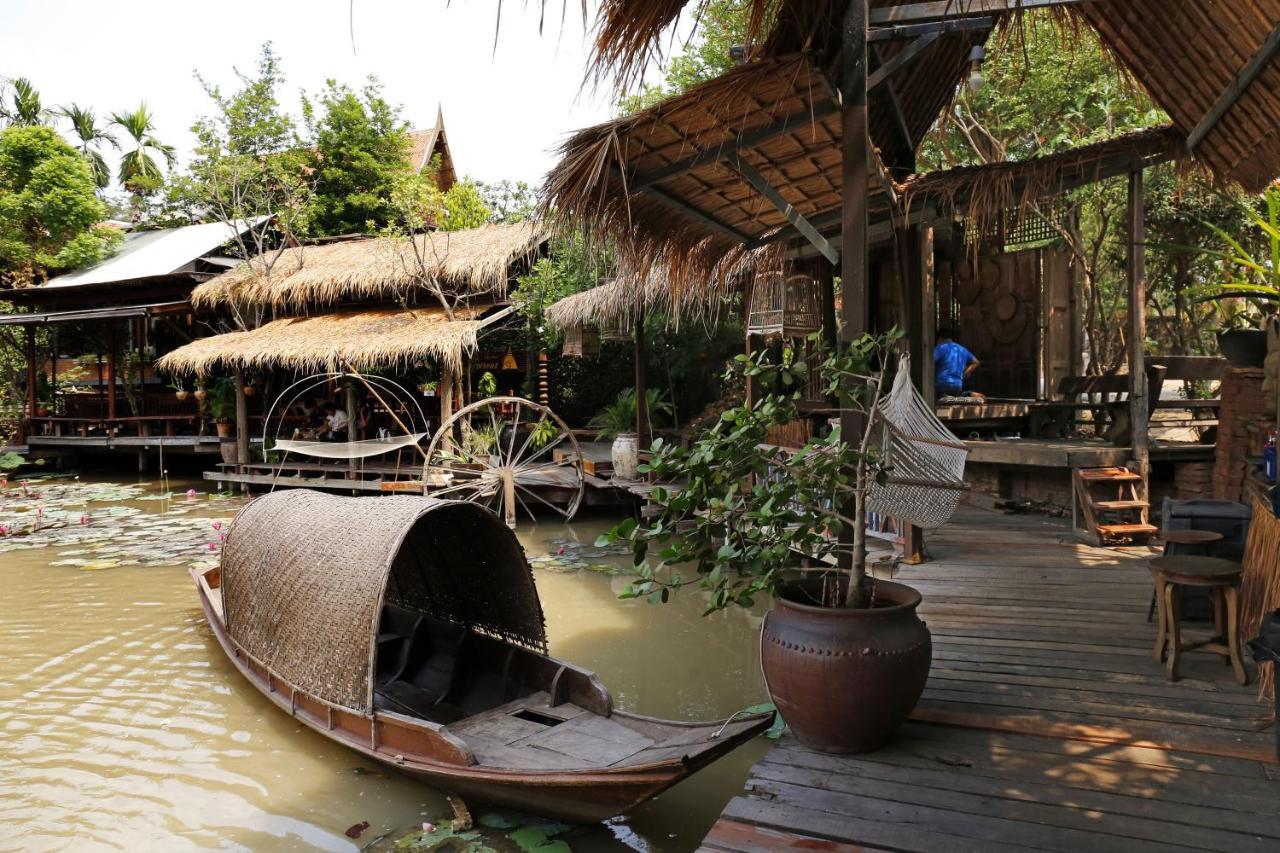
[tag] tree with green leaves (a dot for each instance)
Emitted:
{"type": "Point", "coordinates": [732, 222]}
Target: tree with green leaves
{"type": "Point", "coordinates": [20, 104]}
{"type": "Point", "coordinates": [359, 149]}
{"type": "Point", "coordinates": [49, 207]}
{"type": "Point", "coordinates": [139, 173]}
{"type": "Point", "coordinates": [90, 137]}
{"type": "Point", "coordinates": [509, 201]}
{"type": "Point", "coordinates": [464, 207]}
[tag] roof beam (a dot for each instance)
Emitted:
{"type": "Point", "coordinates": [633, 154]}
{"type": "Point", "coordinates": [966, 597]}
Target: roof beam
{"type": "Point", "coordinates": [1252, 71]}
{"type": "Point", "coordinates": [690, 211]}
{"type": "Point", "coordinates": [900, 60]}
{"type": "Point", "coordinates": [731, 147]}
{"type": "Point", "coordinates": [941, 10]}
{"type": "Point", "coordinates": [895, 110]}
{"type": "Point", "coordinates": [797, 220]}
{"type": "Point", "coordinates": [902, 32]}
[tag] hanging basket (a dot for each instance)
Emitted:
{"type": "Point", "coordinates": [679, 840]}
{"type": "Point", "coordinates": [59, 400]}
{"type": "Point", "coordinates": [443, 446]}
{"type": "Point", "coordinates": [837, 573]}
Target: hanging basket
{"type": "Point", "coordinates": [787, 306]}
{"type": "Point", "coordinates": [581, 341]}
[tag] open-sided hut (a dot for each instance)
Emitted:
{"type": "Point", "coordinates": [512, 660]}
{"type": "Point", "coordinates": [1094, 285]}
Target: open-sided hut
{"type": "Point", "coordinates": [808, 149]}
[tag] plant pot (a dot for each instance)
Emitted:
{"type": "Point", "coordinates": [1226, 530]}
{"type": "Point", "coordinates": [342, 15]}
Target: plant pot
{"type": "Point", "coordinates": [200, 394]}
{"type": "Point", "coordinates": [42, 411]}
{"type": "Point", "coordinates": [625, 456]}
{"type": "Point", "coordinates": [1243, 347]}
{"type": "Point", "coordinates": [844, 679]}
{"type": "Point", "coordinates": [182, 394]}
{"type": "Point", "coordinates": [230, 453]}
{"type": "Point", "coordinates": [225, 429]}
{"type": "Point", "coordinates": [250, 390]}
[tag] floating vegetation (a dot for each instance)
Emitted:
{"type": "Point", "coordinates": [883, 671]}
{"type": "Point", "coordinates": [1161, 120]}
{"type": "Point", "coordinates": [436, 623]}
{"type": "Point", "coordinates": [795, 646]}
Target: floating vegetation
{"type": "Point", "coordinates": [570, 557]}
{"type": "Point", "coordinates": [496, 834]}
{"type": "Point", "coordinates": [96, 528]}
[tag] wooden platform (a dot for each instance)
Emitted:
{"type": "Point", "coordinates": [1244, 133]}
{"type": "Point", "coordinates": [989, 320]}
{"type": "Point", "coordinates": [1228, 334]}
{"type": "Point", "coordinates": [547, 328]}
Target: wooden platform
{"type": "Point", "coordinates": [1046, 723]}
{"type": "Point", "coordinates": [1077, 453]}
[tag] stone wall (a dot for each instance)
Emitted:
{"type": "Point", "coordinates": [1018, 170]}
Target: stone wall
{"type": "Point", "coordinates": [1243, 421]}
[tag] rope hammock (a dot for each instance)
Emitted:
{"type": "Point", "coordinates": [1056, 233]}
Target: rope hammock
{"type": "Point", "coordinates": [348, 449]}
{"type": "Point", "coordinates": [925, 461]}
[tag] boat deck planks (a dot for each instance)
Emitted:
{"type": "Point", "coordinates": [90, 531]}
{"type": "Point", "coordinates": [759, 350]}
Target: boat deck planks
{"type": "Point", "coordinates": [1045, 725]}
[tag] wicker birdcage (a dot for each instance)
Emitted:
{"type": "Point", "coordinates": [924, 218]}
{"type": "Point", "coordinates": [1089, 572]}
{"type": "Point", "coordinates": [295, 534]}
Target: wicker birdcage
{"type": "Point", "coordinates": [581, 340]}
{"type": "Point", "coordinates": [615, 329]}
{"type": "Point", "coordinates": [788, 306]}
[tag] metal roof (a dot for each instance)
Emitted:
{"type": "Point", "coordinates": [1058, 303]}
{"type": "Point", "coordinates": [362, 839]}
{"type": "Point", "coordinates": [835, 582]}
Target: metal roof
{"type": "Point", "coordinates": [148, 254]}
{"type": "Point", "coordinates": [115, 313]}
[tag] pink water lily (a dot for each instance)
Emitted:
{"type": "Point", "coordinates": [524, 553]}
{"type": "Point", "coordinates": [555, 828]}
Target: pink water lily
{"type": "Point", "coordinates": [213, 546]}
{"type": "Point", "coordinates": [191, 493]}
{"type": "Point", "coordinates": [222, 537]}
{"type": "Point", "coordinates": [39, 511]}
{"type": "Point", "coordinates": [217, 525]}
{"type": "Point", "coordinates": [84, 519]}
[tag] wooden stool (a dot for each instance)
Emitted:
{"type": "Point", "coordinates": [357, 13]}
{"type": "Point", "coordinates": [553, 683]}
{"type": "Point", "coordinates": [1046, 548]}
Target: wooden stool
{"type": "Point", "coordinates": [1178, 542]}
{"type": "Point", "coordinates": [1222, 576]}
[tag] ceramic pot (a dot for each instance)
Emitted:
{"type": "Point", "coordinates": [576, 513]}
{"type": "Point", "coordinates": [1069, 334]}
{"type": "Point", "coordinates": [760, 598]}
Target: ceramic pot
{"type": "Point", "coordinates": [625, 456]}
{"type": "Point", "coordinates": [181, 394]}
{"type": "Point", "coordinates": [844, 679]}
{"type": "Point", "coordinates": [225, 429]}
{"type": "Point", "coordinates": [1243, 347]}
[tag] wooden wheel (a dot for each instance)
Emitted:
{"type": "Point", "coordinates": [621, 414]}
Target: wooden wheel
{"type": "Point", "coordinates": [502, 452]}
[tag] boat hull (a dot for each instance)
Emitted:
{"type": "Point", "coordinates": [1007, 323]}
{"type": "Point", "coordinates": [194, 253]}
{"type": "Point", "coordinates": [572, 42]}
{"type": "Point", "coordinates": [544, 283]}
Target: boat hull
{"type": "Point", "coordinates": [432, 755]}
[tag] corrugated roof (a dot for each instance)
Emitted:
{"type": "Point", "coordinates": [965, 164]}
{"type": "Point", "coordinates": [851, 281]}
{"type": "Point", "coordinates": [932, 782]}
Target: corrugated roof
{"type": "Point", "coordinates": [148, 254]}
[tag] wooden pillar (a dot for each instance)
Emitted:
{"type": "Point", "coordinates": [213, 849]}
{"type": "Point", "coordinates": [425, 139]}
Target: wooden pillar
{"type": "Point", "coordinates": [352, 462]}
{"type": "Point", "coordinates": [445, 391]}
{"type": "Point", "coordinates": [141, 340]}
{"type": "Point", "coordinates": [242, 421]}
{"type": "Point", "coordinates": [111, 375]}
{"type": "Point", "coordinates": [31, 371]}
{"type": "Point", "coordinates": [53, 369]}
{"type": "Point", "coordinates": [544, 380]}
{"type": "Point", "coordinates": [1139, 394]}
{"type": "Point", "coordinates": [853, 218]}
{"type": "Point", "coordinates": [642, 404]}
{"type": "Point", "coordinates": [916, 263]}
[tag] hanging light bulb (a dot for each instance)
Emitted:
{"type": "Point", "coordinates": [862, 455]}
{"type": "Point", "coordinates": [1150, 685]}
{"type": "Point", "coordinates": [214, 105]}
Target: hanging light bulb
{"type": "Point", "coordinates": [976, 56]}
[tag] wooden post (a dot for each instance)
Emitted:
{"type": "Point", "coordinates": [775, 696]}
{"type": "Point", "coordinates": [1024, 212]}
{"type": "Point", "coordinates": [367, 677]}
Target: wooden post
{"type": "Point", "coordinates": [352, 465]}
{"type": "Point", "coordinates": [642, 407]}
{"type": "Point", "coordinates": [53, 369]}
{"type": "Point", "coordinates": [853, 218]}
{"type": "Point", "coordinates": [242, 421]}
{"type": "Point", "coordinates": [444, 390]}
{"type": "Point", "coordinates": [544, 380]}
{"type": "Point", "coordinates": [141, 340]}
{"type": "Point", "coordinates": [916, 248]}
{"type": "Point", "coordinates": [1139, 393]}
{"type": "Point", "coordinates": [111, 375]}
{"type": "Point", "coordinates": [31, 375]}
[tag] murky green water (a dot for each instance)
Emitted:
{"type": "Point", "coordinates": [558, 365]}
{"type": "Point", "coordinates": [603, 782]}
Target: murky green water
{"type": "Point", "coordinates": [122, 725]}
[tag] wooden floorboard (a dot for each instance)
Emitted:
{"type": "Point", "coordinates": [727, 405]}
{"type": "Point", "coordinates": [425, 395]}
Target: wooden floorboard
{"type": "Point", "coordinates": [1046, 723]}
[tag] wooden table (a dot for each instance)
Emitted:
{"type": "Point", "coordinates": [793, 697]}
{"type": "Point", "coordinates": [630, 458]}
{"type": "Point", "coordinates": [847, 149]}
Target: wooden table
{"type": "Point", "coordinates": [1185, 542]}
{"type": "Point", "coordinates": [1222, 577]}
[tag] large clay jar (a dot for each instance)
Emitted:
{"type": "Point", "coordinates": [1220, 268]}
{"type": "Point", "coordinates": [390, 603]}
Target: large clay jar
{"type": "Point", "coordinates": [625, 456]}
{"type": "Point", "coordinates": [844, 679]}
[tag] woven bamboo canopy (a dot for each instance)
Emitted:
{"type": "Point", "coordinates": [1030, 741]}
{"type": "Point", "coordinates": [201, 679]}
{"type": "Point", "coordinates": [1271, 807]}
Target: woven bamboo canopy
{"type": "Point", "coordinates": [305, 576]}
{"type": "Point", "coordinates": [333, 342]}
{"type": "Point", "coordinates": [720, 171]}
{"type": "Point", "coordinates": [475, 261]}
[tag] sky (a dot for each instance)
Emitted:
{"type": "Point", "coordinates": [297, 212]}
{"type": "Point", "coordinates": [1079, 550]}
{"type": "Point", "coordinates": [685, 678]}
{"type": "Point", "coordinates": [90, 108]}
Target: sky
{"type": "Point", "coordinates": [505, 112]}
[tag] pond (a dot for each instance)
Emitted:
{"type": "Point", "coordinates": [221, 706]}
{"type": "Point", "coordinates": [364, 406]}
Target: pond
{"type": "Point", "coordinates": [123, 726]}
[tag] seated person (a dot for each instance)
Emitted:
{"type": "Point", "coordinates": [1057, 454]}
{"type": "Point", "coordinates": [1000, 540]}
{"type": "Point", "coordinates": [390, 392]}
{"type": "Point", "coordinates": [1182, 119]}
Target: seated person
{"type": "Point", "coordinates": [336, 423]}
{"type": "Point", "coordinates": [952, 366]}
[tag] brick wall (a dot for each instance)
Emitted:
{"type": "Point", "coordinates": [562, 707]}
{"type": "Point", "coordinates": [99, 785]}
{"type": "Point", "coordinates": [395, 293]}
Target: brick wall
{"type": "Point", "coordinates": [1242, 424]}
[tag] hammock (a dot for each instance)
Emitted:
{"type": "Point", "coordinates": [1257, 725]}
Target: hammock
{"type": "Point", "coordinates": [925, 460]}
{"type": "Point", "coordinates": [348, 449]}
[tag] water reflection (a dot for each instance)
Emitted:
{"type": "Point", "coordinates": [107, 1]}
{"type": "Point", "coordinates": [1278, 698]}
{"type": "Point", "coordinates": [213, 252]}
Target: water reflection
{"type": "Point", "coordinates": [123, 726]}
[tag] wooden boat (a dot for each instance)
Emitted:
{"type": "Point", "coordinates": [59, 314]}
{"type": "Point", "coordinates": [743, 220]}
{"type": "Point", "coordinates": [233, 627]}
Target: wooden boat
{"type": "Point", "coordinates": [409, 629]}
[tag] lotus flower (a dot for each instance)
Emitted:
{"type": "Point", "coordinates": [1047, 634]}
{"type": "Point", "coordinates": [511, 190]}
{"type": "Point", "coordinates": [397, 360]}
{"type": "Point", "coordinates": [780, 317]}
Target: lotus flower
{"type": "Point", "coordinates": [39, 511]}
{"type": "Point", "coordinates": [217, 525]}
{"type": "Point", "coordinates": [222, 537]}
{"type": "Point", "coordinates": [213, 546]}
{"type": "Point", "coordinates": [191, 493]}
{"type": "Point", "coordinates": [84, 519]}
{"type": "Point", "coordinates": [4, 531]}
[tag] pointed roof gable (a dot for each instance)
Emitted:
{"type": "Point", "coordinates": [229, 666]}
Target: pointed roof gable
{"type": "Point", "coordinates": [426, 144]}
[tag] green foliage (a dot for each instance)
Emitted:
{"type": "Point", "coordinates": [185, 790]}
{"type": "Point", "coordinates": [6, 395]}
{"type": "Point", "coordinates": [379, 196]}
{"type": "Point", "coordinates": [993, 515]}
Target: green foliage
{"type": "Point", "coordinates": [572, 266]}
{"type": "Point", "coordinates": [742, 514]}
{"type": "Point", "coordinates": [90, 136]}
{"type": "Point", "coordinates": [48, 207]}
{"type": "Point", "coordinates": [221, 399]}
{"type": "Point", "coordinates": [620, 415]}
{"type": "Point", "coordinates": [508, 201]}
{"type": "Point", "coordinates": [20, 104]}
{"type": "Point", "coordinates": [359, 148]}
{"type": "Point", "coordinates": [139, 173]}
{"type": "Point", "coordinates": [464, 207]}
{"type": "Point", "coordinates": [487, 384]}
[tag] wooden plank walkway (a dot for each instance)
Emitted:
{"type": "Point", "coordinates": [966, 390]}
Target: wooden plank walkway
{"type": "Point", "coordinates": [1046, 724]}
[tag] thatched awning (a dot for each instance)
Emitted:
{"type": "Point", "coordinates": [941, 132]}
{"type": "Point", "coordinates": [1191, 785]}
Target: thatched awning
{"type": "Point", "coordinates": [616, 302]}
{"type": "Point", "coordinates": [335, 342]}
{"type": "Point", "coordinates": [478, 260]}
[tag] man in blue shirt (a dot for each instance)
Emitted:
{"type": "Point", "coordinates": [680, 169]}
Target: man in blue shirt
{"type": "Point", "coordinates": [952, 365]}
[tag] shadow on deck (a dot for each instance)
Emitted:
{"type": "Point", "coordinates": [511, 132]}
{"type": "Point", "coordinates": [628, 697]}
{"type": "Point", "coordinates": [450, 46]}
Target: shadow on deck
{"type": "Point", "coordinates": [1046, 723]}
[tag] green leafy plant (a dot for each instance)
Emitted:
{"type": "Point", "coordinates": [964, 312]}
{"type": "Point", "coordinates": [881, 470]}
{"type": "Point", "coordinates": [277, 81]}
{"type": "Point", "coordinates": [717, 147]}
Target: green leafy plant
{"type": "Point", "coordinates": [543, 431]}
{"type": "Point", "coordinates": [620, 416]}
{"type": "Point", "coordinates": [221, 399]}
{"type": "Point", "coordinates": [487, 385]}
{"type": "Point", "coordinates": [482, 440]}
{"type": "Point", "coordinates": [742, 513]}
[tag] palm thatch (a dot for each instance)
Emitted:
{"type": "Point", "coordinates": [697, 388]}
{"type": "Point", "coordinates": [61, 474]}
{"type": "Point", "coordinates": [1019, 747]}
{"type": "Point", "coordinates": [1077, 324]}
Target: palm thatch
{"type": "Point", "coordinates": [475, 261]}
{"type": "Point", "coordinates": [334, 342]}
{"type": "Point", "coordinates": [614, 303]}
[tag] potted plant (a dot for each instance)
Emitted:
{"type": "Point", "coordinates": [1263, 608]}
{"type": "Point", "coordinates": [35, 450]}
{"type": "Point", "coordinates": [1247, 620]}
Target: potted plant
{"type": "Point", "coordinates": [845, 656]}
{"type": "Point", "coordinates": [220, 401]}
{"type": "Point", "coordinates": [617, 421]}
{"type": "Point", "coordinates": [1253, 279]}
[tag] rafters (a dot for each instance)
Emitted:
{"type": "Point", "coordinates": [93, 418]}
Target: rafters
{"type": "Point", "coordinates": [958, 9]}
{"type": "Point", "coordinates": [1251, 71]}
{"type": "Point", "coordinates": [802, 225]}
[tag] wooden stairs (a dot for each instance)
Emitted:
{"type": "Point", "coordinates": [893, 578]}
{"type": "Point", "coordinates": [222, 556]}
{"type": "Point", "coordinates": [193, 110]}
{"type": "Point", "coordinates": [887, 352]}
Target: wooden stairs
{"type": "Point", "coordinates": [1114, 512]}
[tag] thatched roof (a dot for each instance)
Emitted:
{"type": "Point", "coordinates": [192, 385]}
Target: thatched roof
{"type": "Point", "coordinates": [678, 186]}
{"type": "Point", "coordinates": [478, 260]}
{"type": "Point", "coordinates": [615, 302]}
{"type": "Point", "coordinates": [333, 342]}
{"type": "Point", "coordinates": [305, 576]}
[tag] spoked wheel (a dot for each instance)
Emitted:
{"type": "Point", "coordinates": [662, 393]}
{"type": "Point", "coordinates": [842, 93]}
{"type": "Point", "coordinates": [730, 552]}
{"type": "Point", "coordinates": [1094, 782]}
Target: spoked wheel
{"type": "Point", "coordinates": [501, 452]}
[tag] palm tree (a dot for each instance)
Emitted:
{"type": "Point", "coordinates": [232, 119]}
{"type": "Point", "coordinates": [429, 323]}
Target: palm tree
{"type": "Point", "coordinates": [22, 107]}
{"type": "Point", "coordinates": [138, 165]}
{"type": "Point", "coordinates": [84, 124]}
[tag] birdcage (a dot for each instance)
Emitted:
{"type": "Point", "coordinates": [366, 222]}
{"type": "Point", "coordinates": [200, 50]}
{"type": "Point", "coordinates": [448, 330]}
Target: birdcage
{"type": "Point", "coordinates": [788, 306]}
{"type": "Point", "coordinates": [616, 328]}
{"type": "Point", "coordinates": [581, 340]}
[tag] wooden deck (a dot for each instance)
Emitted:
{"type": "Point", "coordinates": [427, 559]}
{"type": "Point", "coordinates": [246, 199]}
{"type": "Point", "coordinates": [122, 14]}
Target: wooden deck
{"type": "Point", "coordinates": [1046, 723]}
